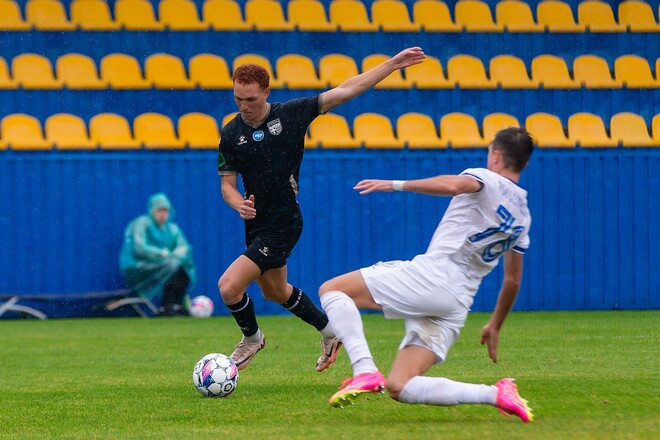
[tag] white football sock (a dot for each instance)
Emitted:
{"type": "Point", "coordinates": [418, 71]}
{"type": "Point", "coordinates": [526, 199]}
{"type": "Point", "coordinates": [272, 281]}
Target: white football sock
{"type": "Point", "coordinates": [327, 332]}
{"type": "Point", "coordinates": [445, 392]}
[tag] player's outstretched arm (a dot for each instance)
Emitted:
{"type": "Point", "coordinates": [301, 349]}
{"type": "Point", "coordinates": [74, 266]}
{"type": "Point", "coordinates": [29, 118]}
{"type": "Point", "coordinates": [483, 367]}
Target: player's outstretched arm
{"type": "Point", "coordinates": [446, 185]}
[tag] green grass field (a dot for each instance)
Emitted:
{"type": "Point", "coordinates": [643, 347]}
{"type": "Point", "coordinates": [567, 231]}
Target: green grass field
{"type": "Point", "coordinates": [588, 375]}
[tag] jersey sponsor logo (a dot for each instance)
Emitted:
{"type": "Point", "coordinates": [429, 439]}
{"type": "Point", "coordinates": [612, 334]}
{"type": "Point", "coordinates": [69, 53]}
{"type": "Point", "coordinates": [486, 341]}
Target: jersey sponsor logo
{"type": "Point", "coordinates": [242, 140]}
{"type": "Point", "coordinates": [275, 127]}
{"type": "Point", "coordinates": [258, 135]}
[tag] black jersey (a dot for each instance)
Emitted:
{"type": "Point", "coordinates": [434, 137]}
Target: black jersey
{"type": "Point", "coordinates": [268, 157]}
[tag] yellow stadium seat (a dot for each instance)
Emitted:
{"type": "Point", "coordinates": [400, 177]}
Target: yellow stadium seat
{"type": "Point", "coordinates": [588, 130]}
{"type": "Point", "coordinates": [93, 15]}
{"type": "Point", "coordinates": [557, 16]}
{"type": "Point", "coordinates": [112, 132]}
{"type": "Point", "coordinates": [597, 16]}
{"type": "Point", "coordinates": [228, 117]}
{"type": "Point", "coordinates": [23, 132]}
{"type": "Point", "coordinates": [5, 80]}
{"type": "Point", "coordinates": [635, 72]}
{"type": "Point", "coordinates": [199, 130]}
{"type": "Point", "coordinates": [309, 16]}
{"type": "Point", "coordinates": [122, 71]}
{"type": "Point", "coordinates": [275, 83]}
{"type": "Point", "coordinates": [331, 131]}
{"type": "Point", "coordinates": [475, 16]}
{"type": "Point", "coordinates": [417, 130]}
{"type": "Point", "coordinates": [468, 72]}
{"type": "Point", "coordinates": [33, 71]}
{"type": "Point", "coordinates": [509, 72]}
{"type": "Point", "coordinates": [68, 132]}
{"type": "Point", "coordinates": [547, 131]}
{"type": "Point", "coordinates": [47, 15]}
{"type": "Point", "coordinates": [375, 131]}
{"type": "Point", "coordinates": [166, 71]}
{"type": "Point", "coordinates": [428, 75]}
{"type": "Point", "coordinates": [593, 73]}
{"type": "Point", "coordinates": [552, 73]}
{"type": "Point", "coordinates": [460, 130]}
{"type": "Point", "coordinates": [434, 16]}
{"type": "Point", "coordinates": [77, 71]}
{"type": "Point", "coordinates": [155, 130]}
{"type": "Point", "coordinates": [516, 16]}
{"type": "Point", "coordinates": [637, 16]}
{"type": "Point", "coordinates": [495, 122]}
{"type": "Point", "coordinates": [630, 130]}
{"type": "Point", "coordinates": [394, 80]}
{"type": "Point", "coordinates": [11, 18]}
{"type": "Point", "coordinates": [297, 72]}
{"type": "Point", "coordinates": [209, 71]}
{"type": "Point", "coordinates": [180, 15]}
{"type": "Point", "coordinates": [224, 15]}
{"type": "Point", "coordinates": [336, 68]}
{"type": "Point", "coordinates": [655, 125]}
{"type": "Point", "coordinates": [351, 16]}
{"type": "Point", "coordinates": [392, 16]}
{"type": "Point", "coordinates": [137, 15]}
{"type": "Point", "coordinates": [266, 15]}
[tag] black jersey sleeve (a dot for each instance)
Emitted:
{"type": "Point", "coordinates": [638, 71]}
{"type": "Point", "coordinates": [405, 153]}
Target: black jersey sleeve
{"type": "Point", "coordinates": [228, 160]}
{"type": "Point", "coordinates": [304, 110]}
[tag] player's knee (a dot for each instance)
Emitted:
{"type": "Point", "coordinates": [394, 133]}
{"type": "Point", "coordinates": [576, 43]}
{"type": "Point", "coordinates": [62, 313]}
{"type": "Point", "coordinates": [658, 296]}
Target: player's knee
{"type": "Point", "coordinates": [229, 292]}
{"type": "Point", "coordinates": [326, 287]}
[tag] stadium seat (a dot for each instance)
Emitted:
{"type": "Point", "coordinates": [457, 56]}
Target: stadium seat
{"type": "Point", "coordinates": [495, 122]}
{"type": "Point", "coordinates": [635, 72]}
{"type": "Point", "coordinates": [122, 71]}
{"type": "Point", "coordinates": [180, 15]}
{"type": "Point", "coordinates": [593, 72]}
{"type": "Point", "coordinates": [394, 80]}
{"type": "Point", "coordinates": [637, 16]}
{"type": "Point", "coordinates": [137, 15]}
{"type": "Point", "coordinates": [209, 71]}
{"type": "Point", "coordinates": [6, 82]}
{"type": "Point", "coordinates": [111, 132]}
{"type": "Point", "coordinates": [630, 130]}
{"type": "Point", "coordinates": [475, 16]}
{"type": "Point", "coordinates": [587, 130]}
{"type": "Point", "coordinates": [260, 60]}
{"type": "Point", "coordinates": [266, 15]}
{"type": "Point", "coordinates": [655, 127]}
{"type": "Point", "coordinates": [331, 131]}
{"type": "Point", "coordinates": [392, 16]}
{"type": "Point", "coordinates": [547, 131]}
{"type": "Point", "coordinates": [335, 68]}
{"type": "Point", "coordinates": [433, 16]}
{"type": "Point", "coordinates": [68, 132]}
{"type": "Point", "coordinates": [417, 130]}
{"type": "Point", "coordinates": [224, 15]}
{"type": "Point", "coordinates": [297, 72]}
{"type": "Point", "coordinates": [166, 71]}
{"type": "Point", "coordinates": [557, 16]}
{"type": "Point", "coordinates": [228, 117]}
{"type": "Point", "coordinates": [597, 16]}
{"type": "Point", "coordinates": [32, 71]}
{"type": "Point", "coordinates": [47, 15]}
{"type": "Point", "coordinates": [468, 72]}
{"type": "Point", "coordinates": [552, 73]}
{"type": "Point", "coordinates": [309, 16]}
{"type": "Point", "coordinates": [351, 16]}
{"type": "Point", "coordinates": [375, 131]}
{"type": "Point", "coordinates": [79, 72]}
{"type": "Point", "coordinates": [428, 75]}
{"type": "Point", "coordinates": [23, 132]}
{"type": "Point", "coordinates": [155, 130]}
{"type": "Point", "coordinates": [93, 15]}
{"type": "Point", "coordinates": [516, 16]}
{"type": "Point", "coordinates": [11, 18]}
{"type": "Point", "coordinates": [509, 72]}
{"type": "Point", "coordinates": [460, 130]}
{"type": "Point", "coordinates": [199, 130]}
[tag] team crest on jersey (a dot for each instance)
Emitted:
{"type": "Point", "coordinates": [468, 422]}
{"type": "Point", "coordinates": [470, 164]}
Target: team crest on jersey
{"type": "Point", "coordinates": [258, 135]}
{"type": "Point", "coordinates": [275, 127]}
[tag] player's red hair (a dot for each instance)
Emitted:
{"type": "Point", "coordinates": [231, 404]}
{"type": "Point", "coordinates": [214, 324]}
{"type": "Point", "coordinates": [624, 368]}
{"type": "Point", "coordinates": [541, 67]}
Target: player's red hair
{"type": "Point", "coordinates": [251, 73]}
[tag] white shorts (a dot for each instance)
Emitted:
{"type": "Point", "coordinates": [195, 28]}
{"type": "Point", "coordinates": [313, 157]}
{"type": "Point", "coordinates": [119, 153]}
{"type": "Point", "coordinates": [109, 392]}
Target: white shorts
{"type": "Point", "coordinates": [432, 313]}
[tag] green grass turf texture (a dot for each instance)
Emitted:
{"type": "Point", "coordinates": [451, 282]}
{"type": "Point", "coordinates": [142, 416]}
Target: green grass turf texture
{"type": "Point", "coordinates": [587, 375]}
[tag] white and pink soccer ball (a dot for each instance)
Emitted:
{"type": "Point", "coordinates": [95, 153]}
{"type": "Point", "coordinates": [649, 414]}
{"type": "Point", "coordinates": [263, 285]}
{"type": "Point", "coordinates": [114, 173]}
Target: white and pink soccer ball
{"type": "Point", "coordinates": [201, 307]}
{"type": "Point", "coordinates": [215, 375]}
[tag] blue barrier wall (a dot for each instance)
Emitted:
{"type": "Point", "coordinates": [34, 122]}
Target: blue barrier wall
{"type": "Point", "coordinates": [594, 235]}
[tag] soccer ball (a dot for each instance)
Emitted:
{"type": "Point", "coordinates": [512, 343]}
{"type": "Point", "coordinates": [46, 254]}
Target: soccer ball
{"type": "Point", "coordinates": [201, 307]}
{"type": "Point", "coordinates": [215, 375]}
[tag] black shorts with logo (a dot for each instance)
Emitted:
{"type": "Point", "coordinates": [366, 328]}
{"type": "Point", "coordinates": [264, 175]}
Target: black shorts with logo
{"type": "Point", "coordinates": [269, 247]}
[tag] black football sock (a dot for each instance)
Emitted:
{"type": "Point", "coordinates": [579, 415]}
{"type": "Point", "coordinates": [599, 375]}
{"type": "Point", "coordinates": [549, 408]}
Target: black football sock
{"type": "Point", "coordinates": [243, 312]}
{"type": "Point", "coordinates": [300, 305]}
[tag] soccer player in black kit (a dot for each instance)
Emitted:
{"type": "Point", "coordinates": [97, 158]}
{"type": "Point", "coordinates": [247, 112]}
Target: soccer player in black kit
{"type": "Point", "coordinates": [264, 143]}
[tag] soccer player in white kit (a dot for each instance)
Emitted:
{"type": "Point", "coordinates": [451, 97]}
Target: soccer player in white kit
{"type": "Point", "coordinates": [487, 217]}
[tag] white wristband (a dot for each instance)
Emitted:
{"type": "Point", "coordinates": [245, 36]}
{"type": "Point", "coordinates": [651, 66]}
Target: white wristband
{"type": "Point", "coordinates": [397, 185]}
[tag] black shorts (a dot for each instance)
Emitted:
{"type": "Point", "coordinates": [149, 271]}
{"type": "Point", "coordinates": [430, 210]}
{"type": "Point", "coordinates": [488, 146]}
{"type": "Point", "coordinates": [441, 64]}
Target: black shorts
{"type": "Point", "coordinates": [269, 247]}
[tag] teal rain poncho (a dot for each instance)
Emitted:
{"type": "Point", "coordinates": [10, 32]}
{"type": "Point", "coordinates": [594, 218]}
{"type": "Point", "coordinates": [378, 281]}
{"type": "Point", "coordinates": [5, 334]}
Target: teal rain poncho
{"type": "Point", "coordinates": [151, 253]}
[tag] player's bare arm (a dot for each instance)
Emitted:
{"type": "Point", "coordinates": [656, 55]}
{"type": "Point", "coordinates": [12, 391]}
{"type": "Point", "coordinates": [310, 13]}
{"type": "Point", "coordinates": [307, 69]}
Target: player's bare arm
{"type": "Point", "coordinates": [446, 185]}
{"type": "Point", "coordinates": [358, 84]}
{"type": "Point", "coordinates": [231, 196]}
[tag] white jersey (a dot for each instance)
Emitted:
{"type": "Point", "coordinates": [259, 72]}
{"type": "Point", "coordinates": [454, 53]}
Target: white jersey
{"type": "Point", "coordinates": [474, 232]}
